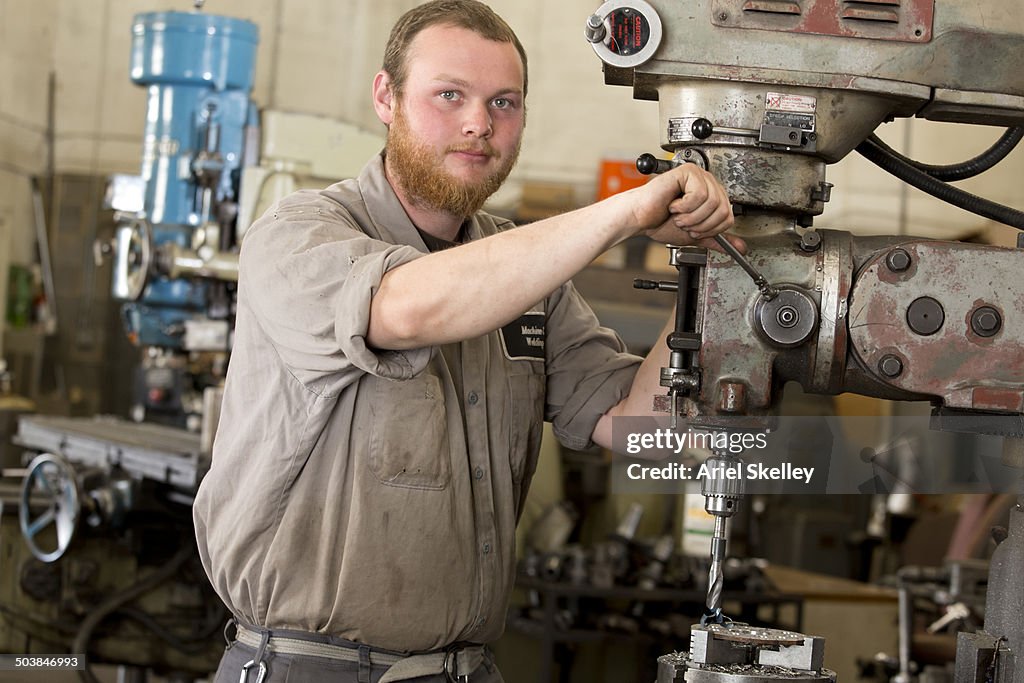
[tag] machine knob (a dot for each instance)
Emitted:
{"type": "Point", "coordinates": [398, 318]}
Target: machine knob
{"type": "Point", "coordinates": [648, 164]}
{"type": "Point", "coordinates": [594, 30]}
{"type": "Point", "coordinates": [702, 128]}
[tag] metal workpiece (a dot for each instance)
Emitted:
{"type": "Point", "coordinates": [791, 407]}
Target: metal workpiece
{"type": "Point", "coordinates": [949, 318]}
{"type": "Point", "coordinates": [808, 655]}
{"type": "Point", "coordinates": [738, 653]}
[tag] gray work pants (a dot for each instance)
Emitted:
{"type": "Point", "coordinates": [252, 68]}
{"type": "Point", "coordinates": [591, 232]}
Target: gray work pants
{"type": "Point", "coordinates": [301, 669]}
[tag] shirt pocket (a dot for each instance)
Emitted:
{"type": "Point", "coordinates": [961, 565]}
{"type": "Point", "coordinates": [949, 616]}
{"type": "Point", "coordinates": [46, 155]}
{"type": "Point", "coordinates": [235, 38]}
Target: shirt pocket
{"type": "Point", "coordinates": [527, 381]}
{"type": "Point", "coordinates": [409, 433]}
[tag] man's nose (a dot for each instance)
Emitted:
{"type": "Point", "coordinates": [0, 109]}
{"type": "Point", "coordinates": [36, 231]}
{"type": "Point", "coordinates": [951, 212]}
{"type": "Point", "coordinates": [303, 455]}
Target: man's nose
{"type": "Point", "coordinates": [477, 121]}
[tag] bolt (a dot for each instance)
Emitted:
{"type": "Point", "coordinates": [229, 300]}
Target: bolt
{"type": "Point", "coordinates": [898, 260]}
{"type": "Point", "coordinates": [594, 30]}
{"type": "Point", "coordinates": [986, 321]}
{"type": "Point", "coordinates": [792, 136]}
{"type": "Point", "coordinates": [810, 241]}
{"type": "Point", "coordinates": [890, 366]}
{"type": "Point", "coordinates": [787, 316]}
{"type": "Point", "coordinates": [722, 16]}
{"type": "Point", "coordinates": [733, 397]}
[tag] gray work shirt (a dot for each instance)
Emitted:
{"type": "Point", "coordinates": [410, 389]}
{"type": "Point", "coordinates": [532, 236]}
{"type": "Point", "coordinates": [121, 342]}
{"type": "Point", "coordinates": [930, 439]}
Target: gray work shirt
{"type": "Point", "coordinates": [368, 494]}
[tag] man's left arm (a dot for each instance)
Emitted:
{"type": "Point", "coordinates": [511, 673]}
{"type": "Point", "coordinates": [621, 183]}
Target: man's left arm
{"type": "Point", "coordinates": [640, 399]}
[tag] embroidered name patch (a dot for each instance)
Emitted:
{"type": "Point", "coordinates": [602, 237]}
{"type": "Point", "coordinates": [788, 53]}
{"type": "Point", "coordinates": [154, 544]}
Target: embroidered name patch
{"type": "Point", "coordinates": [523, 338]}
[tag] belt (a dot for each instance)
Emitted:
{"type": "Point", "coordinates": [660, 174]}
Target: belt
{"type": "Point", "coordinates": [457, 663]}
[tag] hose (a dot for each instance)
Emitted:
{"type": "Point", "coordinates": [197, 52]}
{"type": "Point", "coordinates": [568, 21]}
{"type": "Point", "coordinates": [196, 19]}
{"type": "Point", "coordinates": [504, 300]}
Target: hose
{"type": "Point", "coordinates": [936, 188]}
{"type": "Point", "coordinates": [115, 601]}
{"type": "Point", "coordinates": [190, 645]}
{"type": "Point", "coordinates": [965, 169]}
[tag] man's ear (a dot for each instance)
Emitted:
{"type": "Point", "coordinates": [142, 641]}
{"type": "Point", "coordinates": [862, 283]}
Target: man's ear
{"type": "Point", "coordinates": [383, 97]}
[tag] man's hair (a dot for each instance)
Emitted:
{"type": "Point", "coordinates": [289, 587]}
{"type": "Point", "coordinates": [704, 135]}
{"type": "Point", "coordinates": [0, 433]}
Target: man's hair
{"type": "Point", "coordinates": [468, 14]}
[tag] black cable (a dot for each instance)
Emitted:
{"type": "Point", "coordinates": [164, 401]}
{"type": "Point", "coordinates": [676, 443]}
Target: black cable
{"type": "Point", "coordinates": [965, 169]}
{"type": "Point", "coordinates": [936, 188]}
{"type": "Point", "coordinates": [115, 601]}
{"type": "Point", "coordinates": [189, 645]}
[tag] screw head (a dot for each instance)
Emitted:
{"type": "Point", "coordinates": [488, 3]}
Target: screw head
{"type": "Point", "coordinates": [810, 241]}
{"type": "Point", "coordinates": [986, 321]}
{"type": "Point", "coordinates": [890, 366]}
{"type": "Point", "coordinates": [898, 260]}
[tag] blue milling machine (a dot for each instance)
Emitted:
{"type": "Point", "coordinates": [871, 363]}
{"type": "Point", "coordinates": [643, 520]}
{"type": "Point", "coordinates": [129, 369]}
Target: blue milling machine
{"type": "Point", "coordinates": [175, 262]}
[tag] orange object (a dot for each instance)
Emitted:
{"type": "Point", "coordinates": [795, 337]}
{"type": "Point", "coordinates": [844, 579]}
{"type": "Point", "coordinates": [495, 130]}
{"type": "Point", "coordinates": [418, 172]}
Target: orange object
{"type": "Point", "coordinates": [618, 175]}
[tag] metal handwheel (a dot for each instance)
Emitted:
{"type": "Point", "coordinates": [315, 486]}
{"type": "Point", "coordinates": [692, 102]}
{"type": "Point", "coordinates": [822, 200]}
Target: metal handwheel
{"type": "Point", "coordinates": [52, 479]}
{"type": "Point", "coordinates": [134, 261]}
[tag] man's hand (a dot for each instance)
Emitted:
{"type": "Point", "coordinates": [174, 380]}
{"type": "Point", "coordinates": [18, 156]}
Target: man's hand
{"type": "Point", "coordinates": [685, 206]}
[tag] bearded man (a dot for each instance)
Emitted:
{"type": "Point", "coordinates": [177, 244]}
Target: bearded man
{"type": "Point", "coordinates": [396, 353]}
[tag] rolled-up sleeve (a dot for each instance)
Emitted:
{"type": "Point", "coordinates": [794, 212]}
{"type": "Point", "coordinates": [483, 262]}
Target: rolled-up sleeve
{"type": "Point", "coordinates": [309, 275]}
{"type": "Point", "coordinates": [588, 369]}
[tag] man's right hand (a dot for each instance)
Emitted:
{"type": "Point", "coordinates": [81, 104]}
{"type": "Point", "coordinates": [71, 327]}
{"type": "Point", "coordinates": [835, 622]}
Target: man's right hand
{"type": "Point", "coordinates": [685, 206]}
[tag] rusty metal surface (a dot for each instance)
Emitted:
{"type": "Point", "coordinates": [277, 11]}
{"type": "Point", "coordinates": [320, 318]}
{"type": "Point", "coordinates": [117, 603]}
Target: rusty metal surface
{"type": "Point", "coordinates": [973, 53]}
{"type": "Point", "coordinates": [900, 20]}
{"type": "Point", "coordinates": [955, 363]}
{"type": "Point", "coordinates": [735, 355]}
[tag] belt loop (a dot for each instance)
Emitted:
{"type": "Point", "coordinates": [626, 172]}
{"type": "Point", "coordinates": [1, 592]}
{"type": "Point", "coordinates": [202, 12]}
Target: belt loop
{"type": "Point", "coordinates": [364, 664]}
{"type": "Point", "coordinates": [230, 640]}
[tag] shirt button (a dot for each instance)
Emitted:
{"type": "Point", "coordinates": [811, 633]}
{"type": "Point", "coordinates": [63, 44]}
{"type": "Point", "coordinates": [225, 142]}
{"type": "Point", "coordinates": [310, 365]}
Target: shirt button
{"type": "Point", "coordinates": [473, 398]}
{"type": "Point", "coordinates": [478, 473]}
{"type": "Point", "coordinates": [481, 621]}
{"type": "Point", "coordinates": [487, 548]}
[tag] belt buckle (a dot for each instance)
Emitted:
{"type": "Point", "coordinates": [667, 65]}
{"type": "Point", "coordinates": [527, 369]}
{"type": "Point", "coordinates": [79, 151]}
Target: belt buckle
{"type": "Point", "coordinates": [244, 677]}
{"type": "Point", "coordinates": [451, 667]}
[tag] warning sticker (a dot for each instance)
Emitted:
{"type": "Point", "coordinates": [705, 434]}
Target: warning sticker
{"type": "Point", "coordinates": [776, 101]}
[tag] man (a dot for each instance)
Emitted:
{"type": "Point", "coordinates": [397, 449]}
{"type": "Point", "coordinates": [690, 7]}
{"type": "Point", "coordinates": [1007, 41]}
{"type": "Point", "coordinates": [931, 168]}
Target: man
{"type": "Point", "coordinates": [386, 393]}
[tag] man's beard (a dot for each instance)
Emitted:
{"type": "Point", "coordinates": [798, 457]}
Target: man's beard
{"type": "Point", "coordinates": [422, 175]}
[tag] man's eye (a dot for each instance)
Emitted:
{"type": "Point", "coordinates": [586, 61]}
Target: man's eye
{"type": "Point", "coordinates": [448, 94]}
{"type": "Point", "coordinates": [502, 102]}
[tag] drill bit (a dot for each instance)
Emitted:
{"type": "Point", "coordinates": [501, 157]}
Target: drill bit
{"type": "Point", "coordinates": [715, 576]}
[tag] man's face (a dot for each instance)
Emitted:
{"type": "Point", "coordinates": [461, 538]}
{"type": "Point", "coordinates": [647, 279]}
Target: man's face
{"type": "Point", "coordinates": [458, 123]}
